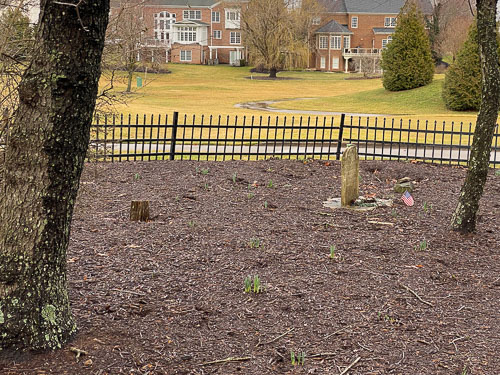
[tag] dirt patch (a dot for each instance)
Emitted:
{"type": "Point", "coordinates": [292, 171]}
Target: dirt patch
{"type": "Point", "coordinates": [167, 296]}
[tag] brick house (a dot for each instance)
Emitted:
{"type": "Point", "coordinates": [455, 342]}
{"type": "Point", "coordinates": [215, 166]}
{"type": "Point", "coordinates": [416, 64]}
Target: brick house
{"type": "Point", "coordinates": [351, 33]}
{"type": "Point", "coordinates": [193, 31]}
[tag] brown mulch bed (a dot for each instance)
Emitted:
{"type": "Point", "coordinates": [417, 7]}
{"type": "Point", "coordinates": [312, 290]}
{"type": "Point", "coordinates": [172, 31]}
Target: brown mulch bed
{"type": "Point", "coordinates": [166, 296]}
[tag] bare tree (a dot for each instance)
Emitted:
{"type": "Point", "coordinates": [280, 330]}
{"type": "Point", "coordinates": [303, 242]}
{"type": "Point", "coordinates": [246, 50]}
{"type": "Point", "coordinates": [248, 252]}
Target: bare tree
{"type": "Point", "coordinates": [464, 217]}
{"type": "Point", "coordinates": [124, 39]}
{"type": "Point", "coordinates": [48, 140]}
{"type": "Point", "coordinates": [277, 32]}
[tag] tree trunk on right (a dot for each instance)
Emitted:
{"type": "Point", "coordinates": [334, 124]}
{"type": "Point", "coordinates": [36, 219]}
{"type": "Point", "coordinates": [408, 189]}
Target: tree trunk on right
{"type": "Point", "coordinates": [464, 217]}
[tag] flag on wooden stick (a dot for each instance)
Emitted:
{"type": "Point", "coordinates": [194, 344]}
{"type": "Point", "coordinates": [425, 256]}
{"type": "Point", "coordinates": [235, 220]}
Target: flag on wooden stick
{"type": "Point", "coordinates": [408, 199]}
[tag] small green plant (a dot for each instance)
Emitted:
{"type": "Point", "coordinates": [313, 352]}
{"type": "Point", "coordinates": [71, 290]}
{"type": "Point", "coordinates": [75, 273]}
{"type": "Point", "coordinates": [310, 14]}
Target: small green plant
{"type": "Point", "coordinates": [265, 205]}
{"type": "Point", "coordinates": [205, 171]}
{"type": "Point", "coordinates": [253, 284]}
{"type": "Point", "coordinates": [270, 184]}
{"type": "Point", "coordinates": [254, 242]}
{"type": "Point", "coordinates": [257, 288]}
{"type": "Point", "coordinates": [394, 213]}
{"type": "Point", "coordinates": [137, 177]}
{"type": "Point", "coordinates": [427, 207]}
{"type": "Point", "coordinates": [297, 358]}
{"type": "Point", "coordinates": [269, 170]}
{"type": "Point", "coordinates": [250, 195]}
{"type": "Point", "coordinates": [465, 371]}
{"type": "Point", "coordinates": [191, 223]}
{"type": "Point", "coordinates": [206, 186]}
{"type": "Point", "coordinates": [333, 254]}
{"type": "Point", "coordinates": [497, 172]}
{"type": "Point", "coordinates": [234, 178]}
{"type": "Point", "coordinates": [248, 284]}
{"type": "Point", "coordinates": [422, 246]}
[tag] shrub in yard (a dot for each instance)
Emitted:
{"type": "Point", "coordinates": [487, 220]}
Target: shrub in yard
{"type": "Point", "coordinates": [407, 61]}
{"type": "Point", "coordinates": [462, 83]}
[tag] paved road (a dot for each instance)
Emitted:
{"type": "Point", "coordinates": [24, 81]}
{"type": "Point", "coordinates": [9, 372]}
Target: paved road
{"type": "Point", "coordinates": [445, 153]}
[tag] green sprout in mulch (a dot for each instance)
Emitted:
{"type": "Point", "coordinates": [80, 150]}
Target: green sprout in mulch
{"type": "Point", "coordinates": [253, 285]}
{"type": "Point", "coordinates": [297, 358]}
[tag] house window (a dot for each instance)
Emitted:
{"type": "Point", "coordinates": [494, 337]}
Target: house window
{"type": "Point", "coordinates": [235, 38]}
{"type": "Point", "coordinates": [335, 42]}
{"type": "Point", "coordinates": [354, 22]}
{"type": "Point", "coordinates": [385, 42]}
{"type": "Point", "coordinates": [162, 22]}
{"type": "Point", "coordinates": [322, 63]}
{"type": "Point", "coordinates": [316, 20]}
{"type": "Point", "coordinates": [232, 15]}
{"type": "Point", "coordinates": [216, 17]}
{"type": "Point", "coordinates": [390, 22]}
{"type": "Point", "coordinates": [323, 42]}
{"type": "Point", "coordinates": [347, 42]}
{"type": "Point", "coordinates": [185, 55]}
{"type": "Point", "coordinates": [187, 34]}
{"type": "Point", "coordinates": [217, 34]}
{"type": "Point", "coordinates": [191, 14]}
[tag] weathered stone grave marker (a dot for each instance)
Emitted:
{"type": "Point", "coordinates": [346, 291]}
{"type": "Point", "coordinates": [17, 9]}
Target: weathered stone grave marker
{"type": "Point", "coordinates": [349, 176]}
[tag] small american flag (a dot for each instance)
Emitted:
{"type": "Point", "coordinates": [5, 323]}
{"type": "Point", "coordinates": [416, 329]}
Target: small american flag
{"type": "Point", "coordinates": [408, 199]}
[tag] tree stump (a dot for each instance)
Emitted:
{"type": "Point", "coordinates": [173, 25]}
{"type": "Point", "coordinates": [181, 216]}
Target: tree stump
{"type": "Point", "coordinates": [139, 211]}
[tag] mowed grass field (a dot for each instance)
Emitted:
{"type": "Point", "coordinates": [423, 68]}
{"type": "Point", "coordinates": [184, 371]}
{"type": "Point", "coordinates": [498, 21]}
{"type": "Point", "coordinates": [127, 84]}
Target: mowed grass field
{"type": "Point", "coordinates": [215, 90]}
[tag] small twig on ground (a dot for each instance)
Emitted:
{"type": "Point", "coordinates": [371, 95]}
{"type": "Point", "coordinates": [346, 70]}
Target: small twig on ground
{"type": "Point", "coordinates": [276, 338]}
{"type": "Point", "coordinates": [129, 292]}
{"type": "Point", "coordinates": [380, 222]}
{"type": "Point", "coordinates": [78, 352]}
{"type": "Point", "coordinates": [229, 359]}
{"type": "Point", "coordinates": [416, 295]}
{"type": "Point", "coordinates": [335, 333]}
{"type": "Point", "coordinates": [318, 355]}
{"type": "Point", "coordinates": [350, 366]}
{"type": "Point", "coordinates": [457, 339]}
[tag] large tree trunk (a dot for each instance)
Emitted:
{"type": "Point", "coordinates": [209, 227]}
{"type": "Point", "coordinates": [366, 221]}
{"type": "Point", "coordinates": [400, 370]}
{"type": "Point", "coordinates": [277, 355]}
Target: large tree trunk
{"type": "Point", "coordinates": [464, 218]}
{"type": "Point", "coordinates": [47, 145]}
{"type": "Point", "coordinates": [272, 72]}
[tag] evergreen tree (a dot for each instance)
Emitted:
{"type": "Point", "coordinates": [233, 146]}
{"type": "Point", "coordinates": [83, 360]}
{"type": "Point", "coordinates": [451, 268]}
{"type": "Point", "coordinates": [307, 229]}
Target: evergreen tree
{"type": "Point", "coordinates": [462, 83]}
{"type": "Point", "coordinates": [407, 60]}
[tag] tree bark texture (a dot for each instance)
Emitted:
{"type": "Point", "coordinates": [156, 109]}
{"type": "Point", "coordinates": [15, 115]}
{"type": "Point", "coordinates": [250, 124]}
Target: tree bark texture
{"type": "Point", "coordinates": [48, 141]}
{"type": "Point", "coordinates": [464, 217]}
{"type": "Point", "coordinates": [139, 211]}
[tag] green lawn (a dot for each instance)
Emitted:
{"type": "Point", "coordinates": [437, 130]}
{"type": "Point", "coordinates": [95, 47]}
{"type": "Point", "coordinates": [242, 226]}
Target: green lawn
{"type": "Point", "coordinates": [214, 90]}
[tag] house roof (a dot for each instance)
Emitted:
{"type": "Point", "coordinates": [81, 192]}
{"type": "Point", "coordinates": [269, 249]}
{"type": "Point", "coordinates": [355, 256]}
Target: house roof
{"type": "Point", "coordinates": [190, 23]}
{"type": "Point", "coordinates": [371, 6]}
{"type": "Point", "coordinates": [383, 30]}
{"type": "Point", "coordinates": [334, 27]}
{"type": "Point", "coordinates": [182, 3]}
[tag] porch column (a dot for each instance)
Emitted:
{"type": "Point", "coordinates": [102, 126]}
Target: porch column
{"type": "Point", "coordinates": [346, 63]}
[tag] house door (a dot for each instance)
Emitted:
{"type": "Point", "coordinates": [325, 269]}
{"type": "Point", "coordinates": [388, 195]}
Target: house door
{"type": "Point", "coordinates": [322, 64]}
{"type": "Point", "coordinates": [234, 57]}
{"type": "Point", "coordinates": [335, 63]}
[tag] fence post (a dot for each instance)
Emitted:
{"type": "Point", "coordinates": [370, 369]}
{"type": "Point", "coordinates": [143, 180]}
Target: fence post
{"type": "Point", "coordinates": [341, 134]}
{"type": "Point", "coordinates": [174, 135]}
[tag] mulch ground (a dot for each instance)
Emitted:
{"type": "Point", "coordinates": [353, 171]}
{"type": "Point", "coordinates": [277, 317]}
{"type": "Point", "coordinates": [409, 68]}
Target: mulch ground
{"type": "Point", "coordinates": [167, 296]}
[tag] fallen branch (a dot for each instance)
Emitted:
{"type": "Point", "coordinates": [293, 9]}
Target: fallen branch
{"type": "Point", "coordinates": [416, 295]}
{"type": "Point", "coordinates": [380, 222]}
{"type": "Point", "coordinates": [276, 338]}
{"type": "Point", "coordinates": [350, 366]}
{"type": "Point", "coordinates": [230, 359]}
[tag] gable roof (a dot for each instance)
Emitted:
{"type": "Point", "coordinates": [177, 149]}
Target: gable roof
{"type": "Point", "coordinates": [182, 3]}
{"type": "Point", "coordinates": [334, 27]}
{"type": "Point", "coordinates": [371, 6]}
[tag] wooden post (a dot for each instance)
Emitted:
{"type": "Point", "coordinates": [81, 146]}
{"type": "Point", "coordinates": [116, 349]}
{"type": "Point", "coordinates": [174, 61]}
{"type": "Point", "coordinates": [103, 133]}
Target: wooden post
{"type": "Point", "coordinates": [139, 211]}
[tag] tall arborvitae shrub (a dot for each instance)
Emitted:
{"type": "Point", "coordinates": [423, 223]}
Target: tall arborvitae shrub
{"type": "Point", "coordinates": [462, 83]}
{"type": "Point", "coordinates": [407, 60]}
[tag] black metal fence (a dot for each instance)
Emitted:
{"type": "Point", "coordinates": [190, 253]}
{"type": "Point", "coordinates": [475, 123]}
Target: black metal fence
{"type": "Point", "coordinates": [119, 138]}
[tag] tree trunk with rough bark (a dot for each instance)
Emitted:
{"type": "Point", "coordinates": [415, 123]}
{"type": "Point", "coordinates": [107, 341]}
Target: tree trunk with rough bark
{"type": "Point", "coordinates": [48, 141]}
{"type": "Point", "coordinates": [464, 217]}
{"type": "Point", "coordinates": [273, 72]}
